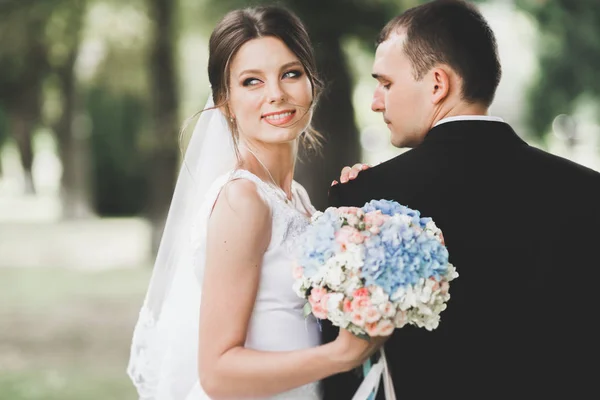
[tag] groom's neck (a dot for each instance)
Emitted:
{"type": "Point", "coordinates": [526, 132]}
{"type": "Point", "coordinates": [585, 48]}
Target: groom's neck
{"type": "Point", "coordinates": [459, 109]}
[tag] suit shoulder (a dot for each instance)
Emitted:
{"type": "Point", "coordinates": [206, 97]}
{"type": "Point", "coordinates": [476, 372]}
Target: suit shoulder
{"type": "Point", "coordinates": [563, 166]}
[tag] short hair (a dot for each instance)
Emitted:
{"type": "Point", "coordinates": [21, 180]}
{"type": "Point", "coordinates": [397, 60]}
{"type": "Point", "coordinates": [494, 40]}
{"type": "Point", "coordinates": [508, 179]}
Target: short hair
{"type": "Point", "coordinates": [451, 32]}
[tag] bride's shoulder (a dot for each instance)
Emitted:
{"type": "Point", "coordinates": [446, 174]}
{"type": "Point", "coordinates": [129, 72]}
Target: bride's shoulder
{"type": "Point", "coordinates": [242, 195]}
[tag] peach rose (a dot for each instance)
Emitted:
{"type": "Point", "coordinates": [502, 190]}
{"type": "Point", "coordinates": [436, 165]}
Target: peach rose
{"type": "Point", "coordinates": [347, 306]}
{"type": "Point", "coordinates": [387, 309]}
{"type": "Point", "coordinates": [316, 294]}
{"type": "Point", "coordinates": [357, 319]}
{"type": "Point", "coordinates": [362, 292]}
{"type": "Point", "coordinates": [318, 311]}
{"type": "Point", "coordinates": [400, 319]}
{"type": "Point", "coordinates": [445, 287]}
{"type": "Point", "coordinates": [385, 327]}
{"type": "Point", "coordinates": [372, 329]}
{"type": "Point", "coordinates": [360, 303]}
{"type": "Point", "coordinates": [372, 315]}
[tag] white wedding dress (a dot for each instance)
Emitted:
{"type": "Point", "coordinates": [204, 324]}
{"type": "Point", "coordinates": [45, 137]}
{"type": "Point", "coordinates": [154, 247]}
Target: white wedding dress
{"type": "Point", "coordinates": [277, 322]}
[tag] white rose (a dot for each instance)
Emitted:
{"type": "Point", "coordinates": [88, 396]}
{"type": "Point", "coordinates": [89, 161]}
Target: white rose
{"type": "Point", "coordinates": [316, 216]}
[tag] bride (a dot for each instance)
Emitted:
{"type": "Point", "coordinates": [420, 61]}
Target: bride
{"type": "Point", "coordinates": [220, 319]}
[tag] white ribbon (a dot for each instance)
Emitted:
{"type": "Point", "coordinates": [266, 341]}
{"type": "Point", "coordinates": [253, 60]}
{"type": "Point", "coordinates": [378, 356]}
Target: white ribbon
{"type": "Point", "coordinates": [371, 382]}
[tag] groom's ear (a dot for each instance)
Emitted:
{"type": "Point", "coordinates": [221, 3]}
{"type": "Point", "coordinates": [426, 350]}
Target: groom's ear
{"type": "Point", "coordinates": [440, 84]}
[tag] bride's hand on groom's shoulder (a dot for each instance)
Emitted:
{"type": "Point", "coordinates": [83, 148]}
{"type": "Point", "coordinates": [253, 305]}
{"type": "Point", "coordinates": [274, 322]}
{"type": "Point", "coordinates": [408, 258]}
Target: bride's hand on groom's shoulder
{"type": "Point", "coordinates": [352, 350]}
{"type": "Point", "coordinates": [349, 173]}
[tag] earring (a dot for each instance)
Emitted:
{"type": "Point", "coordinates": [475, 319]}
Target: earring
{"type": "Point", "coordinates": [231, 119]}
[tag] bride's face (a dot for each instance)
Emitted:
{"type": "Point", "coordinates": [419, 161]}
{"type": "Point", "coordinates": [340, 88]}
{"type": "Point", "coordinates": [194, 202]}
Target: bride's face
{"type": "Point", "coordinates": [270, 93]}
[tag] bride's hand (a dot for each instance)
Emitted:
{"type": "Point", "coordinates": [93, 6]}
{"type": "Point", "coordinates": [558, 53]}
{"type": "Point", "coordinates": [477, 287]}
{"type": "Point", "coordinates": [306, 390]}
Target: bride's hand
{"type": "Point", "coordinates": [349, 173]}
{"type": "Point", "coordinates": [352, 350]}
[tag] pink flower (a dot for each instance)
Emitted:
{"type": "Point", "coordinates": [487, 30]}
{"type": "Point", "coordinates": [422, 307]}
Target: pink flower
{"type": "Point", "coordinates": [362, 292]}
{"type": "Point", "coordinates": [352, 220]}
{"type": "Point", "coordinates": [348, 210]}
{"type": "Point", "coordinates": [298, 271]}
{"type": "Point", "coordinates": [357, 237]}
{"type": "Point", "coordinates": [318, 311]}
{"type": "Point", "coordinates": [375, 218]}
{"type": "Point", "coordinates": [361, 303]}
{"type": "Point", "coordinates": [324, 300]}
{"type": "Point", "coordinates": [372, 329]}
{"type": "Point", "coordinates": [445, 287]}
{"type": "Point", "coordinates": [347, 306]}
{"type": "Point", "coordinates": [385, 327]}
{"type": "Point", "coordinates": [400, 319]}
{"type": "Point", "coordinates": [372, 315]}
{"type": "Point", "coordinates": [436, 285]}
{"type": "Point", "coordinates": [357, 318]}
{"type": "Point", "coordinates": [316, 294]}
{"type": "Point", "coordinates": [387, 309]}
{"type": "Point", "coordinates": [343, 236]}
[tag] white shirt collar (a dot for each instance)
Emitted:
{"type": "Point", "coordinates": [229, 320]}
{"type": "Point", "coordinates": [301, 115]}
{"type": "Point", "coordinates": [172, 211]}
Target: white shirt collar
{"type": "Point", "coordinates": [469, 118]}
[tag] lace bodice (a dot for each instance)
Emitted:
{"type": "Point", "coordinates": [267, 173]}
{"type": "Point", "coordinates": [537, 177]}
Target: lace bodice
{"type": "Point", "coordinates": [277, 322]}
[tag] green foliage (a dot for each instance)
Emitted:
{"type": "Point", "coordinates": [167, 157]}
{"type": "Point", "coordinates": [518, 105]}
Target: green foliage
{"type": "Point", "coordinates": [569, 58]}
{"type": "Point", "coordinates": [3, 128]}
{"type": "Point", "coordinates": [118, 167]}
{"type": "Point", "coordinates": [338, 18]}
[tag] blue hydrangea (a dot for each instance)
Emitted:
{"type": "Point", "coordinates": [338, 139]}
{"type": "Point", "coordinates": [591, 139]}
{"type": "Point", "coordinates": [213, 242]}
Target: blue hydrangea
{"type": "Point", "coordinates": [399, 255]}
{"type": "Point", "coordinates": [396, 257]}
{"type": "Point", "coordinates": [317, 244]}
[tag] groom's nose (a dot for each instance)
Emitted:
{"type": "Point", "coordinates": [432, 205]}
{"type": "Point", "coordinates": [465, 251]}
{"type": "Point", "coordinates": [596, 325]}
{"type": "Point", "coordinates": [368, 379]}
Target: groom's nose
{"type": "Point", "coordinates": [377, 104]}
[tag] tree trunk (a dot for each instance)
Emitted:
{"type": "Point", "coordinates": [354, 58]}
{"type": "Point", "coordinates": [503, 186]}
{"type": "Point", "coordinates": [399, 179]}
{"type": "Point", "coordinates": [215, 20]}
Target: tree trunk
{"type": "Point", "coordinates": [164, 152]}
{"type": "Point", "coordinates": [334, 118]}
{"type": "Point", "coordinates": [72, 133]}
{"type": "Point", "coordinates": [22, 124]}
{"type": "Point", "coordinates": [71, 130]}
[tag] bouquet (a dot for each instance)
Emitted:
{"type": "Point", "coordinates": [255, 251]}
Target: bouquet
{"type": "Point", "coordinates": [373, 269]}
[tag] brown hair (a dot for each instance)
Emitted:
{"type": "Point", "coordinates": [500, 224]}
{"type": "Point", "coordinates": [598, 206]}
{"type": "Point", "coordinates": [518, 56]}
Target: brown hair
{"type": "Point", "coordinates": [451, 32]}
{"type": "Point", "coordinates": [240, 26]}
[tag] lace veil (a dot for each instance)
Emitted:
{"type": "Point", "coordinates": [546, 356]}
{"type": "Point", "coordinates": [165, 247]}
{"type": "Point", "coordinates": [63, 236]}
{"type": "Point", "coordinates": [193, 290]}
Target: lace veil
{"type": "Point", "coordinates": [160, 365]}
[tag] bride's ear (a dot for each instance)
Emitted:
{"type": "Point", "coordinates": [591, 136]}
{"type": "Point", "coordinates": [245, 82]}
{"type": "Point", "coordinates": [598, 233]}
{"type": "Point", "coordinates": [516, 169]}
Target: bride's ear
{"type": "Point", "coordinates": [440, 81]}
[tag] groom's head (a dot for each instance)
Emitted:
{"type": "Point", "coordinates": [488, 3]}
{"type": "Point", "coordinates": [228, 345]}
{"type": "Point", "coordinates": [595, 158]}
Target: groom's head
{"type": "Point", "coordinates": [434, 60]}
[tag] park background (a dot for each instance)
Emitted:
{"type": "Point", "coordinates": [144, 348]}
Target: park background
{"type": "Point", "coordinates": [93, 94]}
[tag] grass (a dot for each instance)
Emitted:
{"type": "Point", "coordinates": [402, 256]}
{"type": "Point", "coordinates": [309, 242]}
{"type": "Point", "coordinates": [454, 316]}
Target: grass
{"type": "Point", "coordinates": [66, 333]}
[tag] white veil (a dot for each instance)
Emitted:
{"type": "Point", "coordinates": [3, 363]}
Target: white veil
{"type": "Point", "coordinates": [162, 364]}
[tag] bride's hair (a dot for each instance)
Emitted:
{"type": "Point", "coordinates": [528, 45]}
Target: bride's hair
{"type": "Point", "coordinates": [240, 26]}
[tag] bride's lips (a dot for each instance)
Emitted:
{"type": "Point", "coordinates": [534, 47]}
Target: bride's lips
{"type": "Point", "coordinates": [279, 117]}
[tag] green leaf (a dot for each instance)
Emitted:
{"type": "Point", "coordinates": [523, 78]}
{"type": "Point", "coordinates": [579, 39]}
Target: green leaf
{"type": "Point", "coordinates": [307, 310]}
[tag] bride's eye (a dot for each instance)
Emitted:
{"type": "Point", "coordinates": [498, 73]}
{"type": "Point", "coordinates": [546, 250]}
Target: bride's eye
{"type": "Point", "coordinates": [292, 74]}
{"type": "Point", "coordinates": [250, 82]}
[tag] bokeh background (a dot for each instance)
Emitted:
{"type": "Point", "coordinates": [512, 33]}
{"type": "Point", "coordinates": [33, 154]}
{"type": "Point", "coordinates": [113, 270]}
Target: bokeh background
{"type": "Point", "coordinates": [93, 94]}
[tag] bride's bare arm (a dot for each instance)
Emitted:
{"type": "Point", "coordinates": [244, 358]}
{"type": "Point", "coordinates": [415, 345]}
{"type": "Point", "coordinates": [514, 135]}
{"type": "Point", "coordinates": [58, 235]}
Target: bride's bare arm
{"type": "Point", "coordinates": [239, 232]}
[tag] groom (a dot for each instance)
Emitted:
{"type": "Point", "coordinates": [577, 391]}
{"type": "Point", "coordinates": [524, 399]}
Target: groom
{"type": "Point", "coordinates": [522, 226]}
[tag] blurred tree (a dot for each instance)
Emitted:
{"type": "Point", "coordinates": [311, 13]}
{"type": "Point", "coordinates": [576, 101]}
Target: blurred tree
{"type": "Point", "coordinates": [163, 143]}
{"type": "Point", "coordinates": [3, 135]}
{"type": "Point", "coordinates": [39, 44]}
{"type": "Point", "coordinates": [569, 58]}
{"type": "Point", "coordinates": [23, 66]}
{"type": "Point", "coordinates": [64, 32]}
{"type": "Point", "coordinates": [119, 171]}
{"type": "Point", "coordinates": [329, 24]}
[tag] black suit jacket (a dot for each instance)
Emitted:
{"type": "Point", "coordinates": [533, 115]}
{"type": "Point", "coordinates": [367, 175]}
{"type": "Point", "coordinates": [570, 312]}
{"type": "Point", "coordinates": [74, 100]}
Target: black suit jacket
{"type": "Point", "coordinates": [522, 229]}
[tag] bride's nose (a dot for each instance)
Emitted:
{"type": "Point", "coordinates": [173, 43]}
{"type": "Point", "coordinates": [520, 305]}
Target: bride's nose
{"type": "Point", "coordinates": [275, 93]}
